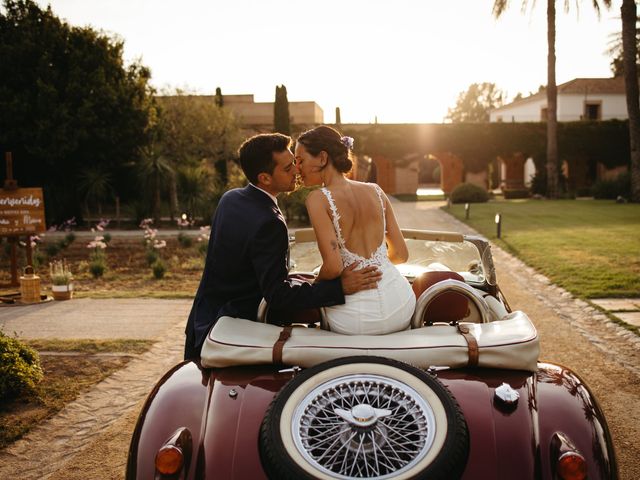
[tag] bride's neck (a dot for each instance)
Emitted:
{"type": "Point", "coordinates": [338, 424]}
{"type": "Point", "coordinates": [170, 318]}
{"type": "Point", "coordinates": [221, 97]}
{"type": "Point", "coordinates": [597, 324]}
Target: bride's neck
{"type": "Point", "coordinates": [333, 178]}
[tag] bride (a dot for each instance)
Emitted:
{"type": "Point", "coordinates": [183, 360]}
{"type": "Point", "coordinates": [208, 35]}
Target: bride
{"type": "Point", "coordinates": [354, 223]}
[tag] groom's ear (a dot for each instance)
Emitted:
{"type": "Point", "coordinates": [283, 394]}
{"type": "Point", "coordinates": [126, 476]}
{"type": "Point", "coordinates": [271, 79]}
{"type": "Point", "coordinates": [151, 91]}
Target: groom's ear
{"type": "Point", "coordinates": [264, 178]}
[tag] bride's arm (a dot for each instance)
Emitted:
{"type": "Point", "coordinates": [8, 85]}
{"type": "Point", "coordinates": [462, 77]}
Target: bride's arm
{"type": "Point", "coordinates": [318, 209]}
{"type": "Point", "coordinates": [396, 245]}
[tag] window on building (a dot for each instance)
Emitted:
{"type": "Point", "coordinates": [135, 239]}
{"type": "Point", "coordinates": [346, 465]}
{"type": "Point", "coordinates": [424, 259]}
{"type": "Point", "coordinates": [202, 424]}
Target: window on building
{"type": "Point", "coordinates": [592, 111]}
{"type": "Point", "coordinates": [543, 114]}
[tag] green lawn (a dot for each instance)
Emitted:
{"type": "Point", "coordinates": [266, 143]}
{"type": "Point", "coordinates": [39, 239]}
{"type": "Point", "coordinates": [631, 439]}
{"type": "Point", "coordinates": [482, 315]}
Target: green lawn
{"type": "Point", "coordinates": [589, 247]}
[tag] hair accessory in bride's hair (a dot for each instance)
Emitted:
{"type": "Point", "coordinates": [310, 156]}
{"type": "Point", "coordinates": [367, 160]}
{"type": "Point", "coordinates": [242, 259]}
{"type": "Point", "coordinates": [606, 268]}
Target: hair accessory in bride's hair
{"type": "Point", "coordinates": [347, 142]}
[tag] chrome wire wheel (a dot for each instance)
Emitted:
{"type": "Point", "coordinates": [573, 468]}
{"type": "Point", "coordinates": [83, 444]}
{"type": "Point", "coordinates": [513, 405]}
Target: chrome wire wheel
{"type": "Point", "coordinates": [363, 426]}
{"type": "Point", "coordinates": [364, 417]}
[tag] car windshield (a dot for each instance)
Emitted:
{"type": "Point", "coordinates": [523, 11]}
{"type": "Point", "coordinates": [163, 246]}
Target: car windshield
{"type": "Point", "coordinates": [424, 255]}
{"type": "Point", "coordinates": [462, 257]}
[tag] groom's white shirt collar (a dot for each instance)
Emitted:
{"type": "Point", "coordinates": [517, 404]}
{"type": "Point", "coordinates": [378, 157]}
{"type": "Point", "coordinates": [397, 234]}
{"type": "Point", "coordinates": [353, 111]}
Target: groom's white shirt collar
{"type": "Point", "coordinates": [275, 200]}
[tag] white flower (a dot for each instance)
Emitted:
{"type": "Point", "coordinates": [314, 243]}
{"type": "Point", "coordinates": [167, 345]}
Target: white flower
{"type": "Point", "coordinates": [347, 142]}
{"type": "Point", "coordinates": [159, 244]}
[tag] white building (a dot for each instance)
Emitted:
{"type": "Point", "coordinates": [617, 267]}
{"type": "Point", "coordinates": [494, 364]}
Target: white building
{"type": "Point", "coordinates": [578, 99]}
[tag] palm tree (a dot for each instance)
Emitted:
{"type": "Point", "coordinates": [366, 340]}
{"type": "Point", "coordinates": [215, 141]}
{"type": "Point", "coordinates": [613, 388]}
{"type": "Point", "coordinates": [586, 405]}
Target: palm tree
{"type": "Point", "coordinates": [499, 7]}
{"type": "Point", "coordinates": [154, 169]}
{"type": "Point", "coordinates": [629, 56]}
{"type": "Point", "coordinates": [95, 184]}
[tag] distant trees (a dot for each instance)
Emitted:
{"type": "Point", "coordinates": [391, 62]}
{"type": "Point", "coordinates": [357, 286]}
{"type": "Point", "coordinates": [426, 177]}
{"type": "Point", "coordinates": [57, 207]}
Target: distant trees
{"type": "Point", "coordinates": [87, 128]}
{"type": "Point", "coordinates": [281, 119]}
{"type": "Point", "coordinates": [194, 145]}
{"type": "Point", "coordinates": [69, 108]}
{"type": "Point", "coordinates": [499, 7]}
{"type": "Point", "coordinates": [475, 103]}
{"type": "Point", "coordinates": [338, 119]}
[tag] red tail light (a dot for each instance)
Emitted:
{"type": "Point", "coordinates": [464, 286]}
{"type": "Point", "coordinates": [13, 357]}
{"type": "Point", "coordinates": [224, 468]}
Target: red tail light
{"type": "Point", "coordinates": [169, 460]}
{"type": "Point", "coordinates": [572, 466]}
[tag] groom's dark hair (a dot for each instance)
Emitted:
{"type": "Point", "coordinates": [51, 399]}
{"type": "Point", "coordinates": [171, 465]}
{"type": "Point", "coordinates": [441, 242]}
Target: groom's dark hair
{"type": "Point", "coordinates": [256, 154]}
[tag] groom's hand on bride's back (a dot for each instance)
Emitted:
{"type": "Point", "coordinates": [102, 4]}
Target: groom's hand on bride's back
{"type": "Point", "coordinates": [354, 280]}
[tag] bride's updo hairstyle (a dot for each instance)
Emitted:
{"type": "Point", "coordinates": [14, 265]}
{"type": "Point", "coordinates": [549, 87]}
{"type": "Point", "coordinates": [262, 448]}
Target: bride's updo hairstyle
{"type": "Point", "coordinates": [327, 139]}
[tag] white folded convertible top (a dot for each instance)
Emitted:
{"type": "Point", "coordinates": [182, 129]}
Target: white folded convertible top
{"type": "Point", "coordinates": [510, 343]}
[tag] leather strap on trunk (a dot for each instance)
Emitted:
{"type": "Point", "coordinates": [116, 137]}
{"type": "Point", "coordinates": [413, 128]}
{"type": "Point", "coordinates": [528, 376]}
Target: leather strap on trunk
{"type": "Point", "coordinates": [472, 345]}
{"type": "Point", "coordinates": [279, 345]}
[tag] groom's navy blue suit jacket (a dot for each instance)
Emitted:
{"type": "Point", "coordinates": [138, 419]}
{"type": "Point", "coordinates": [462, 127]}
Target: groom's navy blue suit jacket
{"type": "Point", "coordinates": [246, 261]}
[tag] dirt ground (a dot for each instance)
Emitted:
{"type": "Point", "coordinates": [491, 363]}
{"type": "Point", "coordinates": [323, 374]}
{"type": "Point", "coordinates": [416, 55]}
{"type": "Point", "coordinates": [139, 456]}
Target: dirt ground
{"type": "Point", "coordinates": [128, 272]}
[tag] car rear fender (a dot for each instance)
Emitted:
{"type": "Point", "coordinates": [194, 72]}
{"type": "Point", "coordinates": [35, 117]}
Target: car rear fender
{"type": "Point", "coordinates": [177, 401]}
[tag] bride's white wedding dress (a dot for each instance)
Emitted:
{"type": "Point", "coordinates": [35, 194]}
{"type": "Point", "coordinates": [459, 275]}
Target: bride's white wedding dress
{"type": "Point", "coordinates": [385, 309]}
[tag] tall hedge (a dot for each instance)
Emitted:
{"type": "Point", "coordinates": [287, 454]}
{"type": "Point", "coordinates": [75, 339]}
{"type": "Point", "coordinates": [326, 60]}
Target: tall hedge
{"type": "Point", "coordinates": [477, 144]}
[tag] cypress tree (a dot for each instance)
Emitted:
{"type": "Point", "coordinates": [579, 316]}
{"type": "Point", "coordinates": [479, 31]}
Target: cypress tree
{"type": "Point", "coordinates": [281, 121]}
{"type": "Point", "coordinates": [338, 120]}
{"type": "Point", "coordinates": [219, 100]}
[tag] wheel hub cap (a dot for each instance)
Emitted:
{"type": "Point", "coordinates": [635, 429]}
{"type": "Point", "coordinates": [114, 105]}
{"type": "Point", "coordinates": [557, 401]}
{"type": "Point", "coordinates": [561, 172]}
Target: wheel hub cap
{"type": "Point", "coordinates": [363, 426]}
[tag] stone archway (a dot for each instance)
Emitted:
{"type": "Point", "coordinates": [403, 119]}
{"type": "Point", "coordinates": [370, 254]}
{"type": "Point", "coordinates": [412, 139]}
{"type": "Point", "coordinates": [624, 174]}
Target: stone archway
{"type": "Point", "coordinates": [512, 172]}
{"type": "Point", "coordinates": [512, 176]}
{"type": "Point", "coordinates": [451, 171]}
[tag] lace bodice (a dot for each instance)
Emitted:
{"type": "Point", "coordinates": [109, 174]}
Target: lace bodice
{"type": "Point", "coordinates": [378, 257]}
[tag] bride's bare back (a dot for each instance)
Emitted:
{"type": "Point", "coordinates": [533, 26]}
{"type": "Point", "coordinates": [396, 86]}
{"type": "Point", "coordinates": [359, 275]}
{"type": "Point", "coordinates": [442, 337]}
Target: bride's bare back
{"type": "Point", "coordinates": [361, 218]}
{"type": "Point", "coordinates": [361, 223]}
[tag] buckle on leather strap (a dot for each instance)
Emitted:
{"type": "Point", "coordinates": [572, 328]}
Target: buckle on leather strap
{"type": "Point", "coordinates": [472, 345]}
{"type": "Point", "coordinates": [285, 333]}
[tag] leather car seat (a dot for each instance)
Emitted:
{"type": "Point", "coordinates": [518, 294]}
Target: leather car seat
{"type": "Point", "coordinates": [448, 306]}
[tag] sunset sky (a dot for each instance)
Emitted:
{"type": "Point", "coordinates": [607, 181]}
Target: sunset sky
{"type": "Point", "coordinates": [400, 61]}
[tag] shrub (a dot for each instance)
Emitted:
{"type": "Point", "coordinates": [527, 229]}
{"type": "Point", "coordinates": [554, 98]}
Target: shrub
{"type": "Point", "coordinates": [97, 265]}
{"type": "Point", "coordinates": [38, 258]}
{"type": "Point", "coordinates": [69, 238]}
{"type": "Point", "coordinates": [151, 256]}
{"type": "Point", "coordinates": [107, 237]}
{"type": "Point", "coordinates": [52, 249]}
{"type": "Point", "coordinates": [516, 193]}
{"type": "Point", "coordinates": [469, 193]}
{"type": "Point", "coordinates": [611, 189]}
{"type": "Point", "coordinates": [184, 240]}
{"type": "Point", "coordinates": [20, 369]}
{"type": "Point", "coordinates": [159, 269]}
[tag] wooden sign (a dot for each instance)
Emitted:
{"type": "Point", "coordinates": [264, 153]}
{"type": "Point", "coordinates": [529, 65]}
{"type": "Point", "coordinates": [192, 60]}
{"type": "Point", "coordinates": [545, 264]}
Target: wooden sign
{"type": "Point", "coordinates": [21, 211]}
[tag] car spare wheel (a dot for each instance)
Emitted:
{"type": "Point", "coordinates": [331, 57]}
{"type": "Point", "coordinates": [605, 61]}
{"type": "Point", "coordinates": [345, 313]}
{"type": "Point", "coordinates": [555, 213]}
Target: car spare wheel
{"type": "Point", "coordinates": [364, 417]}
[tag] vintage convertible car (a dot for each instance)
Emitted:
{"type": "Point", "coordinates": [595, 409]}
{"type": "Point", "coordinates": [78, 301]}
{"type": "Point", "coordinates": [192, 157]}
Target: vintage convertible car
{"type": "Point", "coordinates": [459, 395]}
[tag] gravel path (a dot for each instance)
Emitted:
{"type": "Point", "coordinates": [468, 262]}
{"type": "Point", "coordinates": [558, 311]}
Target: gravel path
{"type": "Point", "coordinates": [90, 437]}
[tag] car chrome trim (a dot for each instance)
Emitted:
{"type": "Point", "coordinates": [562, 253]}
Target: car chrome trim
{"type": "Point", "coordinates": [506, 394]}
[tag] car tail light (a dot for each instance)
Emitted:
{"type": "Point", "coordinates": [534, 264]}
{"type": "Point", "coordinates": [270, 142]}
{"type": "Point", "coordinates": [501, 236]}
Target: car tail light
{"type": "Point", "coordinates": [572, 466]}
{"type": "Point", "coordinates": [566, 461]}
{"type": "Point", "coordinates": [169, 460]}
{"type": "Point", "coordinates": [174, 456]}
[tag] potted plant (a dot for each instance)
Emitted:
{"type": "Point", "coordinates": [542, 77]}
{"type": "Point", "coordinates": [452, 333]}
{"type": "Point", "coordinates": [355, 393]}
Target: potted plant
{"type": "Point", "coordinates": [61, 278]}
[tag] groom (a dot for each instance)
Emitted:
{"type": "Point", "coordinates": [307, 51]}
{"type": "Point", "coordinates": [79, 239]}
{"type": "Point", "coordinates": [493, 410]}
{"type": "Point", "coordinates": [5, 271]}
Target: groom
{"type": "Point", "coordinates": [247, 254]}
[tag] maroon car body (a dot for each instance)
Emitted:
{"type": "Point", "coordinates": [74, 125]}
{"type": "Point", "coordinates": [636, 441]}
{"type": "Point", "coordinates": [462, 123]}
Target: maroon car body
{"type": "Point", "coordinates": [503, 444]}
{"type": "Point", "coordinates": [218, 413]}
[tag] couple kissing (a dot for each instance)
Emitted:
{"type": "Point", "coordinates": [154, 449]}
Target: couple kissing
{"type": "Point", "coordinates": [358, 286]}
